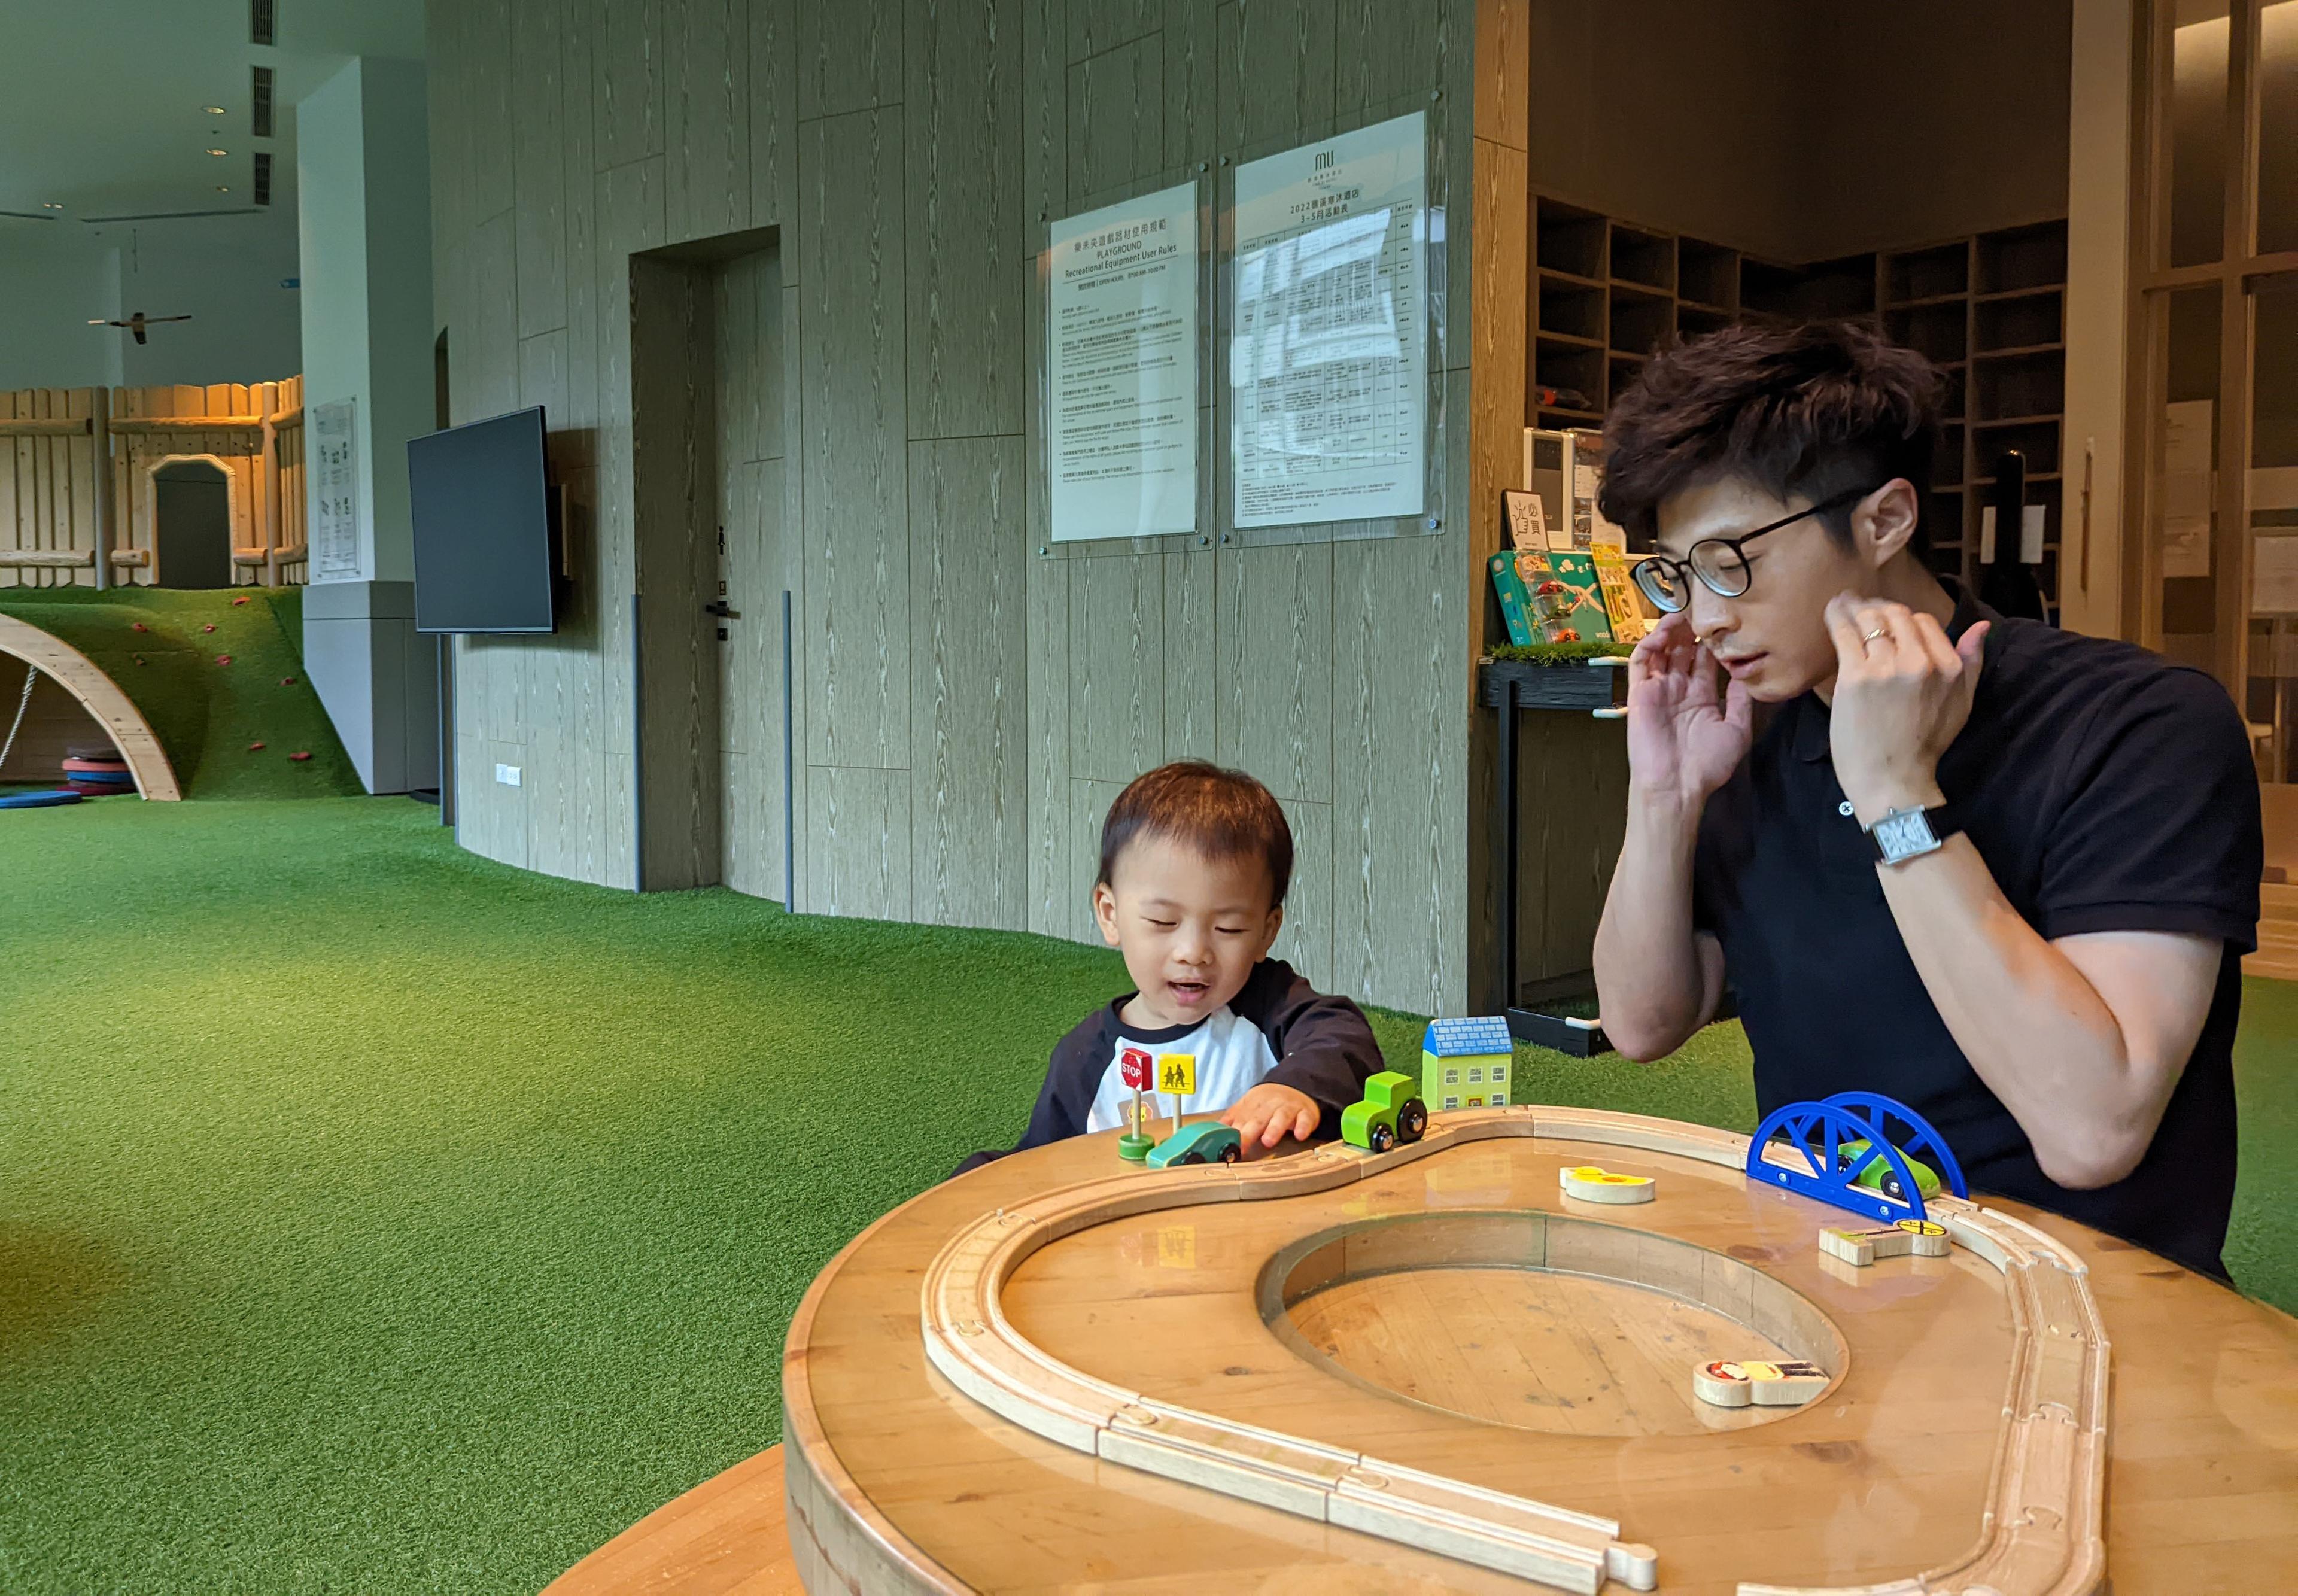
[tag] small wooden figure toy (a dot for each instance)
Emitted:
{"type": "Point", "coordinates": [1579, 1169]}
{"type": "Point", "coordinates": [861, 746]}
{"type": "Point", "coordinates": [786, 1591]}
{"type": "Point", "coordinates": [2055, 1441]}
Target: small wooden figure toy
{"type": "Point", "coordinates": [1766, 1385]}
{"type": "Point", "coordinates": [1204, 1142]}
{"type": "Point", "coordinates": [1922, 1237]}
{"type": "Point", "coordinates": [1592, 1185]}
{"type": "Point", "coordinates": [1391, 1113]}
{"type": "Point", "coordinates": [1464, 1063]}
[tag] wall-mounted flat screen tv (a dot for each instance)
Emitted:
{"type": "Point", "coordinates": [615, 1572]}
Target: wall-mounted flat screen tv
{"type": "Point", "coordinates": [484, 559]}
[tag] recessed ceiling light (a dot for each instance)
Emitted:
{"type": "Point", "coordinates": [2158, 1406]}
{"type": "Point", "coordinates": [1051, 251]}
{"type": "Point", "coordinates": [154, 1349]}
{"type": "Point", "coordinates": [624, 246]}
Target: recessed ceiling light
{"type": "Point", "coordinates": [223, 188]}
{"type": "Point", "coordinates": [218, 152]}
{"type": "Point", "coordinates": [50, 205]}
{"type": "Point", "coordinates": [212, 109]}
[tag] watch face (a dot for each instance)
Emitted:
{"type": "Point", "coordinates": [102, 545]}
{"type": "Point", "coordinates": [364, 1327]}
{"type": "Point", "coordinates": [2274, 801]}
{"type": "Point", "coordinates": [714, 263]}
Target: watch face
{"type": "Point", "coordinates": [1903, 834]}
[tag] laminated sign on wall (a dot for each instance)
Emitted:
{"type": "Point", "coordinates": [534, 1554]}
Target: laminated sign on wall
{"type": "Point", "coordinates": [334, 467]}
{"type": "Point", "coordinates": [1328, 356]}
{"type": "Point", "coordinates": [1122, 379]}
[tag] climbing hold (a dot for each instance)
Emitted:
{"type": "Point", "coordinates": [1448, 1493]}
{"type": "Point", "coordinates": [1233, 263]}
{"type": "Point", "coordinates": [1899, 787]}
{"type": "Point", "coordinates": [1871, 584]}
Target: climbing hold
{"type": "Point", "coordinates": [139, 659]}
{"type": "Point", "coordinates": [241, 599]}
{"type": "Point", "coordinates": [209, 627]}
{"type": "Point", "coordinates": [140, 626]}
{"type": "Point", "coordinates": [254, 747]}
{"type": "Point", "coordinates": [287, 681]}
{"type": "Point", "coordinates": [299, 758]}
{"type": "Point", "coordinates": [223, 659]}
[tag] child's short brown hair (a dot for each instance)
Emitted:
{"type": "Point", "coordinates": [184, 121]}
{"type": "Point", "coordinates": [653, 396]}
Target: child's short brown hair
{"type": "Point", "coordinates": [1223, 813]}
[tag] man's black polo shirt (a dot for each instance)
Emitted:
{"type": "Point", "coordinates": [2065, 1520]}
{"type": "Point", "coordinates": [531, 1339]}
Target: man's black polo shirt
{"type": "Point", "coordinates": [2107, 789]}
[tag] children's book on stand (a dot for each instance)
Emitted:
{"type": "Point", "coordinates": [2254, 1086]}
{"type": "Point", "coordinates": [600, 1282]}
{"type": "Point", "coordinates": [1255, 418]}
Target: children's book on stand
{"type": "Point", "coordinates": [1548, 594]}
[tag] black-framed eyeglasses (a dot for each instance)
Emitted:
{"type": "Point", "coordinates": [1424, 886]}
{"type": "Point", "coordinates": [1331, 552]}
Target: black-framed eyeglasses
{"type": "Point", "coordinates": [1721, 564]}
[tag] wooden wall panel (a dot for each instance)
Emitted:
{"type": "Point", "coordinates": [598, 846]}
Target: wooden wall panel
{"type": "Point", "coordinates": [1105, 24]}
{"type": "Point", "coordinates": [1192, 83]}
{"type": "Point", "coordinates": [1115, 118]}
{"type": "Point", "coordinates": [487, 377]}
{"type": "Point", "coordinates": [967, 707]}
{"type": "Point", "coordinates": [1044, 111]}
{"type": "Point", "coordinates": [1277, 72]}
{"type": "Point", "coordinates": [1306, 940]}
{"type": "Point", "coordinates": [1191, 665]}
{"type": "Point", "coordinates": [849, 56]}
{"type": "Point", "coordinates": [773, 110]}
{"type": "Point", "coordinates": [1088, 807]}
{"type": "Point", "coordinates": [1117, 668]}
{"type": "Point", "coordinates": [578, 101]}
{"type": "Point", "coordinates": [1274, 697]}
{"type": "Point", "coordinates": [1399, 764]}
{"type": "Point", "coordinates": [626, 67]}
{"type": "Point", "coordinates": [857, 820]}
{"type": "Point", "coordinates": [487, 106]}
{"type": "Point", "coordinates": [966, 252]}
{"type": "Point", "coordinates": [539, 163]}
{"type": "Point", "coordinates": [1052, 887]}
{"type": "Point", "coordinates": [969, 794]}
{"type": "Point", "coordinates": [853, 362]}
{"type": "Point", "coordinates": [706, 115]}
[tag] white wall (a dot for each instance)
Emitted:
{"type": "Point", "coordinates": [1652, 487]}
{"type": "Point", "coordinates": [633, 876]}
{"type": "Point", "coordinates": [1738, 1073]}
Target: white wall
{"type": "Point", "coordinates": [227, 273]}
{"type": "Point", "coordinates": [224, 272]}
{"type": "Point", "coordinates": [363, 176]}
{"type": "Point", "coordinates": [52, 278]}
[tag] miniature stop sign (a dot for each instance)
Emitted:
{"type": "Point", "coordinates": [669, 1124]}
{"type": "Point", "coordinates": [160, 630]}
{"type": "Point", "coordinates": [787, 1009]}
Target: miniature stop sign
{"type": "Point", "coordinates": [1137, 1069]}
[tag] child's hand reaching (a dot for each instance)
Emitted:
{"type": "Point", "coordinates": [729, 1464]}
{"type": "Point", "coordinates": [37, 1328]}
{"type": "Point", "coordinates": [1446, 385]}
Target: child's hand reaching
{"type": "Point", "coordinates": [1265, 1112]}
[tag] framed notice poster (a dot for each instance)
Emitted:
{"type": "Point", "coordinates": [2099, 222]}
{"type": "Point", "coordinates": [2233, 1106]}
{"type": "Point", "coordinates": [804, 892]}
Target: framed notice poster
{"type": "Point", "coordinates": [1122, 380]}
{"type": "Point", "coordinates": [1329, 330]}
{"type": "Point", "coordinates": [331, 459]}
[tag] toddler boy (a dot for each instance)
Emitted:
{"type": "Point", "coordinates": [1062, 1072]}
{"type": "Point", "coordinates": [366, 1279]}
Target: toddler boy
{"type": "Point", "coordinates": [1195, 861]}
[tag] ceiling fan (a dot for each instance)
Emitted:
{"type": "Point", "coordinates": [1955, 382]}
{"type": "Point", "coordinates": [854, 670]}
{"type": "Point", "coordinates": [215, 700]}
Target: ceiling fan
{"type": "Point", "coordinates": [136, 323]}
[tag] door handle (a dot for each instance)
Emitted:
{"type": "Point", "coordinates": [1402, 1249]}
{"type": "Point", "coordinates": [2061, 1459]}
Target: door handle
{"type": "Point", "coordinates": [720, 610]}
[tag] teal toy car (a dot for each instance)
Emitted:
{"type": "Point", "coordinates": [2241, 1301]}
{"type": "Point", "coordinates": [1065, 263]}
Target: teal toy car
{"type": "Point", "coordinates": [1879, 1176]}
{"type": "Point", "coordinates": [1204, 1142]}
{"type": "Point", "coordinates": [1391, 1113]}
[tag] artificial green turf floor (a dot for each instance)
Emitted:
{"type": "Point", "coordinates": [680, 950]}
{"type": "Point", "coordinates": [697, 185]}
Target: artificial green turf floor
{"type": "Point", "coordinates": [374, 1217]}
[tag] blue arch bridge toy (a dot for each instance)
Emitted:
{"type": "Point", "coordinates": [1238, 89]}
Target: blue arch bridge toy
{"type": "Point", "coordinates": [1857, 1150]}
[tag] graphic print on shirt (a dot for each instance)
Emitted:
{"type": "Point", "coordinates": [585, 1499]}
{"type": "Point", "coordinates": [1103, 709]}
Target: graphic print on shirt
{"type": "Point", "coordinates": [1232, 1055]}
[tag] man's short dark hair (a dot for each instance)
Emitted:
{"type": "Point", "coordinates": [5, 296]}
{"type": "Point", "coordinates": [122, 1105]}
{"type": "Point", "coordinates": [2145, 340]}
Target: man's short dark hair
{"type": "Point", "coordinates": [1222, 814]}
{"type": "Point", "coordinates": [1811, 410]}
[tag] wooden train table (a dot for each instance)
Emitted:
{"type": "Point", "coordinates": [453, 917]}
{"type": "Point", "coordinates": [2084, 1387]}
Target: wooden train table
{"type": "Point", "coordinates": [1436, 1369]}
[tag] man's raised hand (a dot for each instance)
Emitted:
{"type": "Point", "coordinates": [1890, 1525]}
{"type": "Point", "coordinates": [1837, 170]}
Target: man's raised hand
{"type": "Point", "coordinates": [1684, 739]}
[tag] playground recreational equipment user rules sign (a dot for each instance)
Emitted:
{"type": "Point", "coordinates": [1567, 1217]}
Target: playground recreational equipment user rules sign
{"type": "Point", "coordinates": [1121, 388]}
{"type": "Point", "coordinates": [1328, 352]}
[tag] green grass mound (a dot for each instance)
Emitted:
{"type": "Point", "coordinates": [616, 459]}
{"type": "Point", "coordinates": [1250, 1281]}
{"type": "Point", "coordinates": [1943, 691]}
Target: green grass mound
{"type": "Point", "coordinates": [205, 715]}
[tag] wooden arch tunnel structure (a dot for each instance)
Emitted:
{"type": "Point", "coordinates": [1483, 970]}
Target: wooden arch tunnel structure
{"type": "Point", "coordinates": [97, 697]}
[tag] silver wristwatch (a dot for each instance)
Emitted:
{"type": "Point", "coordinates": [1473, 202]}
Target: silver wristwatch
{"type": "Point", "coordinates": [1906, 834]}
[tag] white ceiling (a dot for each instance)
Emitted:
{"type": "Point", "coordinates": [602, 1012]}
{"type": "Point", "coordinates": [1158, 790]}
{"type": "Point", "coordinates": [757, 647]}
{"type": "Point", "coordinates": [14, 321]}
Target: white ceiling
{"type": "Point", "coordinates": [99, 100]}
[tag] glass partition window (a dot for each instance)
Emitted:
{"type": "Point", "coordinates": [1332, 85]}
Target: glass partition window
{"type": "Point", "coordinates": [2276, 73]}
{"type": "Point", "coordinates": [2271, 697]}
{"type": "Point", "coordinates": [2198, 39]}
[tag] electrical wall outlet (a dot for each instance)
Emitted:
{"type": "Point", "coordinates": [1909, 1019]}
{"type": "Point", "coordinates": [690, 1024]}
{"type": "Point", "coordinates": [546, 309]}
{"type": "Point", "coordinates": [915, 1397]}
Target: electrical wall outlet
{"type": "Point", "coordinates": [508, 775]}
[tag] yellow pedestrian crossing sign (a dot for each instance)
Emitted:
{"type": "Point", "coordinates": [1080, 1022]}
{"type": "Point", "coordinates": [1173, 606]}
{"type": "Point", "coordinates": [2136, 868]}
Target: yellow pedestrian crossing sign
{"type": "Point", "coordinates": [1176, 1073]}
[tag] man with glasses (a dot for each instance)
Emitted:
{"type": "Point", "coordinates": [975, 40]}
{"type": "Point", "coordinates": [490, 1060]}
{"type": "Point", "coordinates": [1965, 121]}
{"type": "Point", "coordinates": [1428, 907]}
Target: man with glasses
{"type": "Point", "coordinates": [2002, 873]}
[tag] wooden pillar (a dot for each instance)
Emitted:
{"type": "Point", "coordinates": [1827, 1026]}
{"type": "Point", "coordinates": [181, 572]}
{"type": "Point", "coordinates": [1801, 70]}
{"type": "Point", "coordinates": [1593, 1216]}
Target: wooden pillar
{"type": "Point", "coordinates": [268, 472]}
{"type": "Point", "coordinates": [99, 425]}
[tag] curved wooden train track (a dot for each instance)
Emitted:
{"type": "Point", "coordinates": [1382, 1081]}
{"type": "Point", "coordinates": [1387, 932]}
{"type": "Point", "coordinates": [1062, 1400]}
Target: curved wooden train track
{"type": "Point", "coordinates": [2041, 1532]}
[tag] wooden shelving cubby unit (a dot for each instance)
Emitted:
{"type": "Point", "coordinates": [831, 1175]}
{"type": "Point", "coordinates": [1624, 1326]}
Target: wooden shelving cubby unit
{"type": "Point", "coordinates": [1989, 310]}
